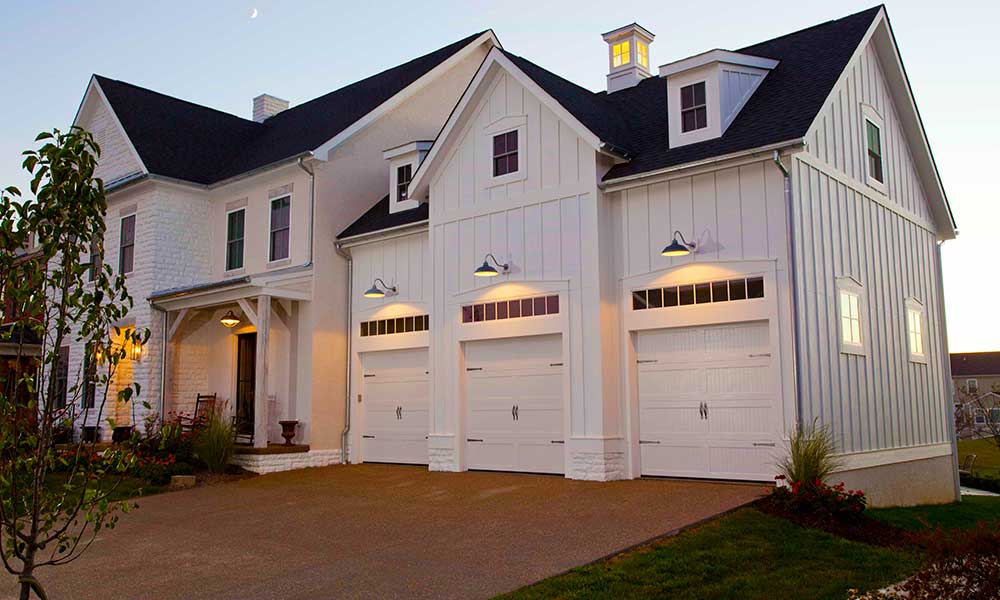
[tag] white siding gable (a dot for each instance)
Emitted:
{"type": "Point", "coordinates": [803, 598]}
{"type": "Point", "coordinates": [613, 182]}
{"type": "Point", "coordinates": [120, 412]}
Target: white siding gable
{"type": "Point", "coordinates": [118, 158]}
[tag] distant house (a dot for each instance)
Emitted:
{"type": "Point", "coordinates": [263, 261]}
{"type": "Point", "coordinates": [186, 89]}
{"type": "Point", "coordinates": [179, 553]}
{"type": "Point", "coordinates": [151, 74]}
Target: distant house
{"type": "Point", "coordinates": [976, 376]}
{"type": "Point", "coordinates": [20, 346]}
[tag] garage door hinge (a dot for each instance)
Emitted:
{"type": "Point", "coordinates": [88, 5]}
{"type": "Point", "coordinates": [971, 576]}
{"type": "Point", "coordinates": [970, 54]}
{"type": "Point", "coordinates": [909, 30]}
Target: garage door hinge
{"type": "Point", "coordinates": [473, 368]}
{"type": "Point", "coordinates": [368, 437]}
{"type": "Point", "coordinates": [762, 355]}
{"type": "Point", "coordinates": [768, 444]}
{"type": "Point", "coordinates": [649, 441]}
{"type": "Point", "coordinates": [557, 441]}
{"type": "Point", "coordinates": [369, 374]}
{"type": "Point", "coordinates": [473, 440]}
{"type": "Point", "coordinates": [555, 364]}
{"type": "Point", "coordinates": [644, 361]}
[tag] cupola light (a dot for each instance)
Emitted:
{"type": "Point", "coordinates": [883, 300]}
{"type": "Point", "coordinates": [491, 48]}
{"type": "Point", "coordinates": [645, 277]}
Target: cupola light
{"type": "Point", "coordinates": [679, 247]}
{"type": "Point", "coordinates": [376, 292]}
{"type": "Point", "coordinates": [485, 270]}
{"type": "Point", "coordinates": [229, 320]}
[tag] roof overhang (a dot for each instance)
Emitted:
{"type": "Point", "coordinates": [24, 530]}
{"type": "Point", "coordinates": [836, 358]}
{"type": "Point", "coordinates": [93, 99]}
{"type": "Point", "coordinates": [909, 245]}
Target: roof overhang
{"type": "Point", "coordinates": [323, 151]}
{"type": "Point", "coordinates": [218, 293]}
{"type": "Point", "coordinates": [717, 56]}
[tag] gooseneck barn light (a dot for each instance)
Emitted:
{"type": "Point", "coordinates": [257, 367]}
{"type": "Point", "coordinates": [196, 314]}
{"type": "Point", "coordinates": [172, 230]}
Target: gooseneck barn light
{"type": "Point", "coordinates": [485, 270]}
{"type": "Point", "coordinates": [376, 292]}
{"type": "Point", "coordinates": [678, 247]}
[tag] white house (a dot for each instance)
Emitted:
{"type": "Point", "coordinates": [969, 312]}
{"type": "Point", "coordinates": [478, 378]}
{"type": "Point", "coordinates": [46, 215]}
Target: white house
{"type": "Point", "coordinates": [469, 262]}
{"type": "Point", "coordinates": [683, 267]}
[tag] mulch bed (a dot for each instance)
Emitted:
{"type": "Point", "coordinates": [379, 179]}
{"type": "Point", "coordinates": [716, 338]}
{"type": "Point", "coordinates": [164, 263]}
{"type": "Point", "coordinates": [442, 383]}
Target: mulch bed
{"type": "Point", "coordinates": [860, 528]}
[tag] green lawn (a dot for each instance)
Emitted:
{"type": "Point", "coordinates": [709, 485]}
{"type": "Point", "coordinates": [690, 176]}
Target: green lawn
{"type": "Point", "coordinates": [961, 515]}
{"type": "Point", "coordinates": [744, 555]}
{"type": "Point", "coordinates": [987, 455]}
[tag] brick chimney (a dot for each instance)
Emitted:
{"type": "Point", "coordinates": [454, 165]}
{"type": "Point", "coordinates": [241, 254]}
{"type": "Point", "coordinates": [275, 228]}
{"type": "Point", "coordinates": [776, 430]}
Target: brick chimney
{"type": "Point", "coordinates": [266, 106]}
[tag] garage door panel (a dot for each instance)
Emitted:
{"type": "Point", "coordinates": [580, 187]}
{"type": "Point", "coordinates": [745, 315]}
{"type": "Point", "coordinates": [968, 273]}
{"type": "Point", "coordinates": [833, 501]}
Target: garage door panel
{"type": "Point", "coordinates": [741, 419]}
{"type": "Point", "coordinates": [396, 404]}
{"type": "Point", "coordinates": [738, 381]}
{"type": "Point", "coordinates": [671, 383]}
{"type": "Point", "coordinates": [677, 459]}
{"type": "Point", "coordinates": [658, 421]}
{"type": "Point", "coordinates": [740, 339]}
{"type": "Point", "coordinates": [497, 455]}
{"type": "Point", "coordinates": [540, 456]}
{"type": "Point", "coordinates": [741, 460]}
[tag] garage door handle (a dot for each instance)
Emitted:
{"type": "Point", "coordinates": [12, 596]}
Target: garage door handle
{"type": "Point", "coordinates": [649, 441]}
{"type": "Point", "coordinates": [557, 442]}
{"type": "Point", "coordinates": [473, 440]}
{"type": "Point", "coordinates": [368, 437]}
{"type": "Point", "coordinates": [768, 444]}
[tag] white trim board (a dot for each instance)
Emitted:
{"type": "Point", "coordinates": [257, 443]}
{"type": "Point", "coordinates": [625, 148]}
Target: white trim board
{"type": "Point", "coordinates": [878, 458]}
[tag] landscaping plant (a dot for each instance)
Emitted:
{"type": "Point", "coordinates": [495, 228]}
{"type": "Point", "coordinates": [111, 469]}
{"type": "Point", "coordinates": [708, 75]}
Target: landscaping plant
{"type": "Point", "coordinates": [214, 444]}
{"type": "Point", "coordinates": [60, 300]}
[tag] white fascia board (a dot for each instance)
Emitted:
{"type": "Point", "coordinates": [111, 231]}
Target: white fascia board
{"type": "Point", "coordinates": [419, 145]}
{"type": "Point", "coordinates": [717, 56]}
{"type": "Point", "coordinates": [494, 60]}
{"type": "Point", "coordinates": [323, 151]}
{"type": "Point", "coordinates": [94, 87]}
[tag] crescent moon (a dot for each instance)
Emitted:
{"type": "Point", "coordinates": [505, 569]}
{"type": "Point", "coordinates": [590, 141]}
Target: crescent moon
{"type": "Point", "coordinates": [253, 14]}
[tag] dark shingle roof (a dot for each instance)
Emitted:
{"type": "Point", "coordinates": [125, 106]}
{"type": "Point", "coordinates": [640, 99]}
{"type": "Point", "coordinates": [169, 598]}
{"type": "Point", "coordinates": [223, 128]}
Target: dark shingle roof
{"type": "Point", "coordinates": [970, 364]}
{"type": "Point", "coordinates": [781, 109]}
{"type": "Point", "coordinates": [179, 139]}
{"type": "Point", "coordinates": [378, 218]}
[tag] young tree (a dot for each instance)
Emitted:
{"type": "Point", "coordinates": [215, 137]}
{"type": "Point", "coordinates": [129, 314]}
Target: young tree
{"type": "Point", "coordinates": [54, 500]}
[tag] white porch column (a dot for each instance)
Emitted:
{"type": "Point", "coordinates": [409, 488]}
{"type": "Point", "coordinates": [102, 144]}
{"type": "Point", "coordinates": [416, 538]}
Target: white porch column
{"type": "Point", "coordinates": [260, 400]}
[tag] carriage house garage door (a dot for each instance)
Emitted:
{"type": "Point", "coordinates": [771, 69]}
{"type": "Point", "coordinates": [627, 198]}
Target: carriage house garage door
{"type": "Point", "coordinates": [708, 402]}
{"type": "Point", "coordinates": [514, 395]}
{"type": "Point", "coordinates": [396, 405]}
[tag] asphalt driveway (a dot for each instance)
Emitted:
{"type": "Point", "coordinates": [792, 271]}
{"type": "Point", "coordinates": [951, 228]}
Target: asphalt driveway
{"type": "Point", "coordinates": [377, 531]}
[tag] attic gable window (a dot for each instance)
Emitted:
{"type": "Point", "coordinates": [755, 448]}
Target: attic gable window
{"type": "Point", "coordinates": [621, 54]}
{"type": "Point", "coordinates": [874, 136]}
{"type": "Point", "coordinates": [694, 111]}
{"type": "Point", "coordinates": [404, 175]}
{"type": "Point", "coordinates": [505, 153]}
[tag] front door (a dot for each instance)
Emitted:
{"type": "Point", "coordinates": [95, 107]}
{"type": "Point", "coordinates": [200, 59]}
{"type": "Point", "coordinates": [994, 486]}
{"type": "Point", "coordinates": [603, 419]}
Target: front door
{"type": "Point", "coordinates": [246, 375]}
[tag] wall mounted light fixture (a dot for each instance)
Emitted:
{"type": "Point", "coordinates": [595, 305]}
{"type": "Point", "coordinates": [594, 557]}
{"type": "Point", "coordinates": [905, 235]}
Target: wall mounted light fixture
{"type": "Point", "coordinates": [229, 320]}
{"type": "Point", "coordinates": [679, 247]}
{"type": "Point", "coordinates": [136, 351]}
{"type": "Point", "coordinates": [376, 292]}
{"type": "Point", "coordinates": [485, 270]}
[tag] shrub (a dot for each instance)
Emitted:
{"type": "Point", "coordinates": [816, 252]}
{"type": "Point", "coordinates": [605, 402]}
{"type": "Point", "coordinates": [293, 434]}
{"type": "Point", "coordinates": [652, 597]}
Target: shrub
{"type": "Point", "coordinates": [213, 444]}
{"type": "Point", "coordinates": [811, 455]}
{"type": "Point", "coordinates": [982, 482]}
{"type": "Point", "coordinates": [819, 498]}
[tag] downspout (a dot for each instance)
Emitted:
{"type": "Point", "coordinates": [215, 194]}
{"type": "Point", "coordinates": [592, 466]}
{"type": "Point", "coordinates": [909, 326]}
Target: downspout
{"type": "Point", "coordinates": [312, 204]}
{"type": "Point", "coordinates": [163, 368]}
{"type": "Point", "coordinates": [790, 233]}
{"type": "Point", "coordinates": [347, 380]}
{"type": "Point", "coordinates": [946, 365]}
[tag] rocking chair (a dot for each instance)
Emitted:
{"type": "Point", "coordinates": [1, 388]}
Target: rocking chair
{"type": "Point", "coordinates": [204, 407]}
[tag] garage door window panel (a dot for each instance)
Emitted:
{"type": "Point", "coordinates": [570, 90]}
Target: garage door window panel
{"type": "Point", "coordinates": [710, 292]}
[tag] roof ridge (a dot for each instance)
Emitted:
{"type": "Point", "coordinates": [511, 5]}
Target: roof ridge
{"type": "Point", "coordinates": [816, 26]}
{"type": "Point", "coordinates": [174, 98]}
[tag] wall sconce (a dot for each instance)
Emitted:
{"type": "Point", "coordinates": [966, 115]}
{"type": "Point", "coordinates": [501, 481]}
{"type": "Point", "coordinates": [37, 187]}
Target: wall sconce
{"type": "Point", "coordinates": [229, 320]}
{"type": "Point", "coordinates": [136, 351]}
{"type": "Point", "coordinates": [99, 354]}
{"type": "Point", "coordinates": [376, 292]}
{"type": "Point", "coordinates": [485, 270]}
{"type": "Point", "coordinates": [678, 248]}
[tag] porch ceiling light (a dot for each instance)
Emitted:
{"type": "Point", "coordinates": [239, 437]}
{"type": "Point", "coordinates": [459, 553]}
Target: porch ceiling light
{"type": "Point", "coordinates": [229, 320]}
{"type": "Point", "coordinates": [376, 292]}
{"type": "Point", "coordinates": [679, 247]}
{"type": "Point", "coordinates": [486, 270]}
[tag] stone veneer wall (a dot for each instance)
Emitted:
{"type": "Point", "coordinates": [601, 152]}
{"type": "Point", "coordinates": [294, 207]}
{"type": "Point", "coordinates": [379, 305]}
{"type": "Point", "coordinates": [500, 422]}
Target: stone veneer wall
{"type": "Point", "coordinates": [274, 463]}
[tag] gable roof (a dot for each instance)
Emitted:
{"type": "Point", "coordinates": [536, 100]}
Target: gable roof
{"type": "Point", "coordinates": [378, 218]}
{"type": "Point", "coordinates": [970, 364]}
{"type": "Point", "coordinates": [781, 109]}
{"type": "Point", "coordinates": [190, 142]}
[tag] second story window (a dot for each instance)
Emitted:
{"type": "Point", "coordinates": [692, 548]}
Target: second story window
{"type": "Point", "coordinates": [874, 137]}
{"type": "Point", "coordinates": [280, 215]}
{"type": "Point", "coordinates": [505, 153]}
{"type": "Point", "coordinates": [95, 260]}
{"type": "Point", "coordinates": [621, 54]}
{"type": "Point", "coordinates": [403, 176]}
{"type": "Point", "coordinates": [694, 112]}
{"type": "Point", "coordinates": [126, 246]}
{"type": "Point", "coordinates": [235, 222]}
{"type": "Point", "coordinates": [972, 386]}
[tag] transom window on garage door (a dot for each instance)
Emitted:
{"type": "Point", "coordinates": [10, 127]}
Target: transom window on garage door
{"type": "Point", "coordinates": [511, 309]}
{"type": "Point", "coordinates": [709, 292]}
{"type": "Point", "coordinates": [397, 325]}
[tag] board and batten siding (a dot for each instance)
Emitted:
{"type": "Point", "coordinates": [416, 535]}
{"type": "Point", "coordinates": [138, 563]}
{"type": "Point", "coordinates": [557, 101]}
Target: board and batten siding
{"type": "Point", "coordinates": [886, 241]}
{"type": "Point", "coordinates": [402, 261]}
{"type": "Point", "coordinates": [544, 223]}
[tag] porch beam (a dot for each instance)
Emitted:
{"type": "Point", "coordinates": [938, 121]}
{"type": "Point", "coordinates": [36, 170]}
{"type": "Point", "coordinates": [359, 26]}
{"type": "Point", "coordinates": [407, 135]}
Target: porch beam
{"type": "Point", "coordinates": [261, 419]}
{"type": "Point", "coordinates": [248, 310]}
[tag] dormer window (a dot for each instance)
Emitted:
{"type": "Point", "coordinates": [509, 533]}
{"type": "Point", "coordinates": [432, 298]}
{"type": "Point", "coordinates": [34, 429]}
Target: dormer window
{"type": "Point", "coordinates": [403, 176]}
{"type": "Point", "coordinates": [642, 54]}
{"type": "Point", "coordinates": [621, 54]}
{"type": "Point", "coordinates": [694, 112]}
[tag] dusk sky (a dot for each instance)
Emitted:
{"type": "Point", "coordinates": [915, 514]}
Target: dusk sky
{"type": "Point", "coordinates": [214, 53]}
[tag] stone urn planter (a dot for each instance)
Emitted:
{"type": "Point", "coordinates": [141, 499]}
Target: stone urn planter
{"type": "Point", "coordinates": [288, 431]}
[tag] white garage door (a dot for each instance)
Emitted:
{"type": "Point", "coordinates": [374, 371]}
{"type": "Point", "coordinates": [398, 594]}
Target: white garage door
{"type": "Point", "coordinates": [515, 416]}
{"type": "Point", "coordinates": [396, 405]}
{"type": "Point", "coordinates": [708, 399]}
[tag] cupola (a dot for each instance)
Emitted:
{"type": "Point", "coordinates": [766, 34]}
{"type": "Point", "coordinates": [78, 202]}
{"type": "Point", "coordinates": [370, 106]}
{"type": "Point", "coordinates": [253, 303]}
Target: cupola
{"type": "Point", "coordinates": [628, 56]}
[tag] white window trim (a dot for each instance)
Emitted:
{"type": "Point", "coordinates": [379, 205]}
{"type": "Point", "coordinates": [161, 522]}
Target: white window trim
{"type": "Point", "coordinates": [852, 286]}
{"type": "Point", "coordinates": [915, 306]}
{"type": "Point", "coordinates": [270, 214]}
{"type": "Point", "coordinates": [868, 113]}
{"type": "Point", "coordinates": [968, 388]}
{"type": "Point", "coordinates": [393, 186]}
{"type": "Point", "coordinates": [225, 254]}
{"type": "Point", "coordinates": [135, 232]}
{"type": "Point", "coordinates": [502, 126]}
